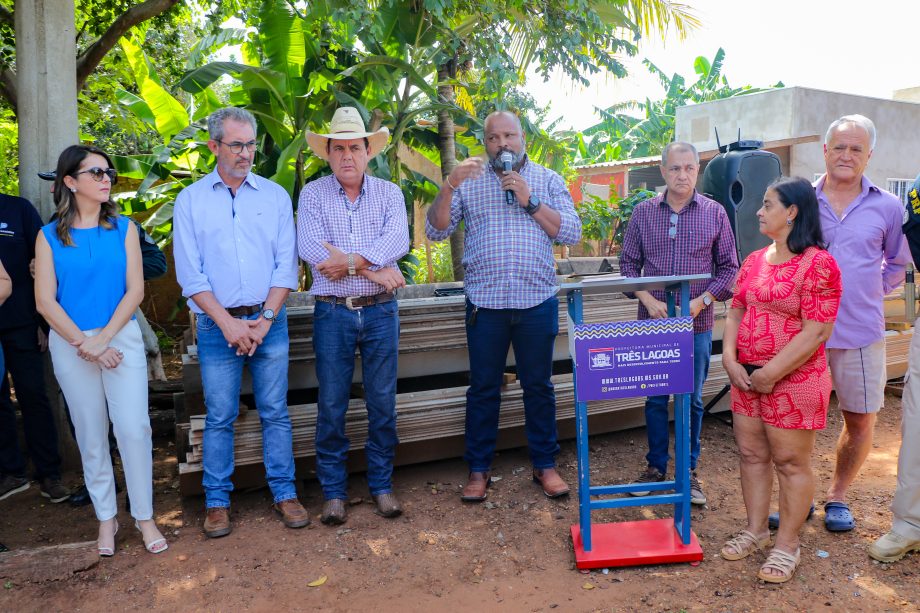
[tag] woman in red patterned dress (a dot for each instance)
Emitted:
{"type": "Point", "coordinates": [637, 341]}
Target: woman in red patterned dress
{"type": "Point", "coordinates": [783, 311]}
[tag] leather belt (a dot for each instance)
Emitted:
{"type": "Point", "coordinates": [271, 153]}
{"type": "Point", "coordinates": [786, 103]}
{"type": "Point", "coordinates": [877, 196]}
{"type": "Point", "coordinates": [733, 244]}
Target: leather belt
{"type": "Point", "coordinates": [357, 302]}
{"type": "Point", "coordinates": [241, 311]}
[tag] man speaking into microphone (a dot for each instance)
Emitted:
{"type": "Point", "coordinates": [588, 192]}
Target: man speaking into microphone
{"type": "Point", "coordinates": [513, 210]}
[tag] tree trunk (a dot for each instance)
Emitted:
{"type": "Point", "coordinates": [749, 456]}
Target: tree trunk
{"type": "Point", "coordinates": [447, 149]}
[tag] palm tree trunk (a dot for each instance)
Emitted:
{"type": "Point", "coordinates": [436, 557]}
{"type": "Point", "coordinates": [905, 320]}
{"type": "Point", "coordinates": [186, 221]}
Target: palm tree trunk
{"type": "Point", "coordinates": [446, 147]}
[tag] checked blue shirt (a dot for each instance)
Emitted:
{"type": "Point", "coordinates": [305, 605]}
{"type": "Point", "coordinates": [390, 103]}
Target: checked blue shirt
{"type": "Point", "coordinates": [508, 258]}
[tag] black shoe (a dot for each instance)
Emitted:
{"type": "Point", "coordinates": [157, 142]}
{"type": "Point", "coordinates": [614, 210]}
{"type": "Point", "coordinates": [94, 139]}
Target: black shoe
{"type": "Point", "coordinates": [80, 497]}
{"type": "Point", "coordinates": [649, 475]}
{"type": "Point", "coordinates": [54, 490]}
{"type": "Point", "coordinates": [10, 485]}
{"type": "Point", "coordinates": [3, 548]}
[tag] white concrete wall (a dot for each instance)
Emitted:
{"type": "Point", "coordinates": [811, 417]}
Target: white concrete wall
{"type": "Point", "coordinates": [797, 112]}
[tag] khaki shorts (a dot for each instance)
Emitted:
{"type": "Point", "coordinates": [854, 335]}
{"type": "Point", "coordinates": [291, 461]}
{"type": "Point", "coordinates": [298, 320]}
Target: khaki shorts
{"type": "Point", "coordinates": [859, 377]}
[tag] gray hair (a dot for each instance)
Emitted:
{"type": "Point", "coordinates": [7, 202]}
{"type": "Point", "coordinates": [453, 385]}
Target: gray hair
{"type": "Point", "coordinates": [678, 146]}
{"type": "Point", "coordinates": [217, 118]}
{"type": "Point", "coordinates": [860, 120]}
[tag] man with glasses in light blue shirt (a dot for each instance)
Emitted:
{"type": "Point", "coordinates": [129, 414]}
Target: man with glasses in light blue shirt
{"type": "Point", "coordinates": [236, 262]}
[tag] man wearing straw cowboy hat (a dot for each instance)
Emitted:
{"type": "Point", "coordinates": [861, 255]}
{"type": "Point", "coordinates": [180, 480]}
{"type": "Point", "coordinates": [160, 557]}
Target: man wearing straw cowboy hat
{"type": "Point", "coordinates": [351, 229]}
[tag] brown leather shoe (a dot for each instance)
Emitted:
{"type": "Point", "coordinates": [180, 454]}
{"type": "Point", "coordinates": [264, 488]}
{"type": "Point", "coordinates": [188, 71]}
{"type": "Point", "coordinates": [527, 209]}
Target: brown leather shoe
{"type": "Point", "coordinates": [292, 513]}
{"type": "Point", "coordinates": [217, 522]}
{"type": "Point", "coordinates": [387, 505]}
{"type": "Point", "coordinates": [475, 490]}
{"type": "Point", "coordinates": [333, 512]}
{"type": "Point", "coordinates": [552, 484]}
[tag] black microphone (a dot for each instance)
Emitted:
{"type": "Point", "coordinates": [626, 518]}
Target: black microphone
{"type": "Point", "coordinates": [506, 159]}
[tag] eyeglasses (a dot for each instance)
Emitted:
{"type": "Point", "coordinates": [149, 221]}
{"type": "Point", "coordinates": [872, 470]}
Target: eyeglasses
{"type": "Point", "coordinates": [237, 147]}
{"type": "Point", "coordinates": [672, 231]}
{"type": "Point", "coordinates": [97, 173]}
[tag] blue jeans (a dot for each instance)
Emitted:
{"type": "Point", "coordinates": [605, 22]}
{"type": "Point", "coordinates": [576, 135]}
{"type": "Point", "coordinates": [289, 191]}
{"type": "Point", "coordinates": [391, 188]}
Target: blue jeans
{"type": "Point", "coordinates": [656, 410]}
{"type": "Point", "coordinates": [489, 333]}
{"type": "Point", "coordinates": [221, 375]}
{"type": "Point", "coordinates": [337, 332]}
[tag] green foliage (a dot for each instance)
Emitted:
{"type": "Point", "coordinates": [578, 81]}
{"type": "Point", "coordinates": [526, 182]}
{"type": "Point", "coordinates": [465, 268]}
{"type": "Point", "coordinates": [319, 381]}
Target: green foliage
{"type": "Point", "coordinates": [9, 152]}
{"type": "Point", "coordinates": [622, 135]}
{"type": "Point", "coordinates": [605, 220]}
{"type": "Point", "coordinates": [440, 263]}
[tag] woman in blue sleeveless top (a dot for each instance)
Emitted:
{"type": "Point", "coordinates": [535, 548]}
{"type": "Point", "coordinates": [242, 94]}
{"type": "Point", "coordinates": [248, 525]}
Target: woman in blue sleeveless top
{"type": "Point", "coordinates": [88, 283]}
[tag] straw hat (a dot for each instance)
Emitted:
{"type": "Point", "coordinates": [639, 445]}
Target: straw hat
{"type": "Point", "coordinates": [347, 124]}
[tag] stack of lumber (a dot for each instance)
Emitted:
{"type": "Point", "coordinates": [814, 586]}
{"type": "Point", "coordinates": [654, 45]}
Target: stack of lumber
{"type": "Point", "coordinates": [427, 415]}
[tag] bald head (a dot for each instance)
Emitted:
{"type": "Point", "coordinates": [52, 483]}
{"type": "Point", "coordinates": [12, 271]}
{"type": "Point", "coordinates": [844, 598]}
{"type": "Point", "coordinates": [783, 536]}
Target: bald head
{"type": "Point", "coordinates": [503, 132]}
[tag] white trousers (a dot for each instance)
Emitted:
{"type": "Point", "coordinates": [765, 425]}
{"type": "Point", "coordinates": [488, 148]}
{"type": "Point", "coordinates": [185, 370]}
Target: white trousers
{"type": "Point", "coordinates": [906, 505]}
{"type": "Point", "coordinates": [96, 394]}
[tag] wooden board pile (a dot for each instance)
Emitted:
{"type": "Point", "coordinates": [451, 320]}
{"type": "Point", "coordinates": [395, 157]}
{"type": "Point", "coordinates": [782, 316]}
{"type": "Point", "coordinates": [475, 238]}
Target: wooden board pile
{"type": "Point", "coordinates": [427, 415]}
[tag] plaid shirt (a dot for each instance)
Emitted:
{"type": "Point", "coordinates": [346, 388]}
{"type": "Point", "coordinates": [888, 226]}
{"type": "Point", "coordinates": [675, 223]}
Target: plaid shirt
{"type": "Point", "coordinates": [702, 243]}
{"type": "Point", "coordinates": [507, 256]}
{"type": "Point", "coordinates": [374, 226]}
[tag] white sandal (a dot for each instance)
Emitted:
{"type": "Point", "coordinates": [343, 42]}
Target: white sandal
{"type": "Point", "coordinates": [157, 545]}
{"type": "Point", "coordinates": [743, 545]}
{"type": "Point", "coordinates": [784, 562]}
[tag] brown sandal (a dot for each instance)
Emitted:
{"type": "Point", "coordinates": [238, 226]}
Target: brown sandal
{"type": "Point", "coordinates": [784, 562]}
{"type": "Point", "coordinates": [743, 545]}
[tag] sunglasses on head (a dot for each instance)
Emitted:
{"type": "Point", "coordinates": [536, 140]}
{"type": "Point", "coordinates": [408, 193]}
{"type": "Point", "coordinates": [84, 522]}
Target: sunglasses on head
{"type": "Point", "coordinates": [97, 173]}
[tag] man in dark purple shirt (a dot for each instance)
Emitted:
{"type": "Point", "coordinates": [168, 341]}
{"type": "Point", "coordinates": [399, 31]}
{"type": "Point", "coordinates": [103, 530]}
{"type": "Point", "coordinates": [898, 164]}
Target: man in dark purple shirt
{"type": "Point", "coordinates": [680, 232]}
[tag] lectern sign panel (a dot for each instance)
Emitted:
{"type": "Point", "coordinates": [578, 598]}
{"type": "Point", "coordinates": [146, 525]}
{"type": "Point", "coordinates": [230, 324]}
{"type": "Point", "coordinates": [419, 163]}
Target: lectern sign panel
{"type": "Point", "coordinates": [624, 359]}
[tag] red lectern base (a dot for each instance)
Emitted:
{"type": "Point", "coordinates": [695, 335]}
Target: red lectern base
{"type": "Point", "coordinates": [634, 543]}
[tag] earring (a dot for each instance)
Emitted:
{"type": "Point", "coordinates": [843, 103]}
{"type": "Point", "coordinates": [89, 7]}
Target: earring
{"type": "Point", "coordinates": [73, 189]}
{"type": "Point", "coordinates": [788, 222]}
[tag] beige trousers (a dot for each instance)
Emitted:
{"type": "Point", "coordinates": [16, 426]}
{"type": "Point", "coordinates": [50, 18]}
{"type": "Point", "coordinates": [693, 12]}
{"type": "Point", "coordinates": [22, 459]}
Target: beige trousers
{"type": "Point", "coordinates": [906, 505]}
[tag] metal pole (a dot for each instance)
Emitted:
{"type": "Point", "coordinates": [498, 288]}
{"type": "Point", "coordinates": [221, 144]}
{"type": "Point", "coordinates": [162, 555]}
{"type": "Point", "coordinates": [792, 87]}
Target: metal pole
{"type": "Point", "coordinates": [576, 316]}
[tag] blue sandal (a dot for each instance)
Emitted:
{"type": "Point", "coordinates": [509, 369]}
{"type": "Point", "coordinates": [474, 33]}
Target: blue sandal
{"type": "Point", "coordinates": [837, 517]}
{"type": "Point", "coordinates": [773, 519]}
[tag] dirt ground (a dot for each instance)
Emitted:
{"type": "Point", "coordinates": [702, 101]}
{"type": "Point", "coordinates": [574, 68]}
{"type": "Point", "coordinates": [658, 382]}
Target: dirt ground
{"type": "Point", "coordinates": [514, 554]}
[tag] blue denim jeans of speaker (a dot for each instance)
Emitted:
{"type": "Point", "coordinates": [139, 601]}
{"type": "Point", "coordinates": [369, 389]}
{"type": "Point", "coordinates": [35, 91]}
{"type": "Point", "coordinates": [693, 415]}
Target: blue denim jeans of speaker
{"type": "Point", "coordinates": [532, 333]}
{"type": "Point", "coordinates": [656, 410]}
{"type": "Point", "coordinates": [221, 376]}
{"type": "Point", "coordinates": [337, 332]}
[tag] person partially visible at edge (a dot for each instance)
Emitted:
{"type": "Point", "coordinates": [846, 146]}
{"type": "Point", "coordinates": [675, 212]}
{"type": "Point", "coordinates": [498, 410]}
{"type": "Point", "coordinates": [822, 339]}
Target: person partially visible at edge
{"type": "Point", "coordinates": [680, 232]}
{"type": "Point", "coordinates": [352, 229]}
{"type": "Point", "coordinates": [6, 288]}
{"type": "Point", "coordinates": [22, 342]}
{"type": "Point", "coordinates": [510, 285]}
{"type": "Point", "coordinates": [88, 283]}
{"type": "Point", "coordinates": [235, 259]}
{"type": "Point", "coordinates": [904, 535]}
{"type": "Point", "coordinates": [786, 300]}
{"type": "Point", "coordinates": [862, 226]}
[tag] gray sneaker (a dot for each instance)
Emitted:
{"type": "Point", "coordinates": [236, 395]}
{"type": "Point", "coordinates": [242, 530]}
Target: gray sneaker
{"type": "Point", "coordinates": [54, 490]}
{"type": "Point", "coordinates": [649, 475]}
{"type": "Point", "coordinates": [10, 485]}
{"type": "Point", "coordinates": [696, 490]}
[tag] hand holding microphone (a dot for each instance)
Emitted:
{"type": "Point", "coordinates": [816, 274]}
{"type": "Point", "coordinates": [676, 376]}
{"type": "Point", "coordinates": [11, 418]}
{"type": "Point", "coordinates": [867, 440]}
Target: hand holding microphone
{"type": "Point", "coordinates": [513, 183]}
{"type": "Point", "coordinates": [506, 159]}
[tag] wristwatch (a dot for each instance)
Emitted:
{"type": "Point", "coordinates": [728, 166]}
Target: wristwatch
{"type": "Point", "coordinates": [351, 265]}
{"type": "Point", "coordinates": [268, 314]}
{"type": "Point", "coordinates": [533, 205]}
{"type": "Point", "coordinates": [707, 300]}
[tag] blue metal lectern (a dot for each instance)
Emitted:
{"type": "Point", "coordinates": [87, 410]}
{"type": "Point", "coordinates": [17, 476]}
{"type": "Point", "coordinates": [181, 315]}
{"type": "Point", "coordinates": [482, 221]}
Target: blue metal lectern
{"type": "Point", "coordinates": [638, 542]}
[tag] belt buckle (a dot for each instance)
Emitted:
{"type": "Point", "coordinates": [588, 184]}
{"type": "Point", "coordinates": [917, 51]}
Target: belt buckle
{"type": "Point", "coordinates": [350, 305]}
